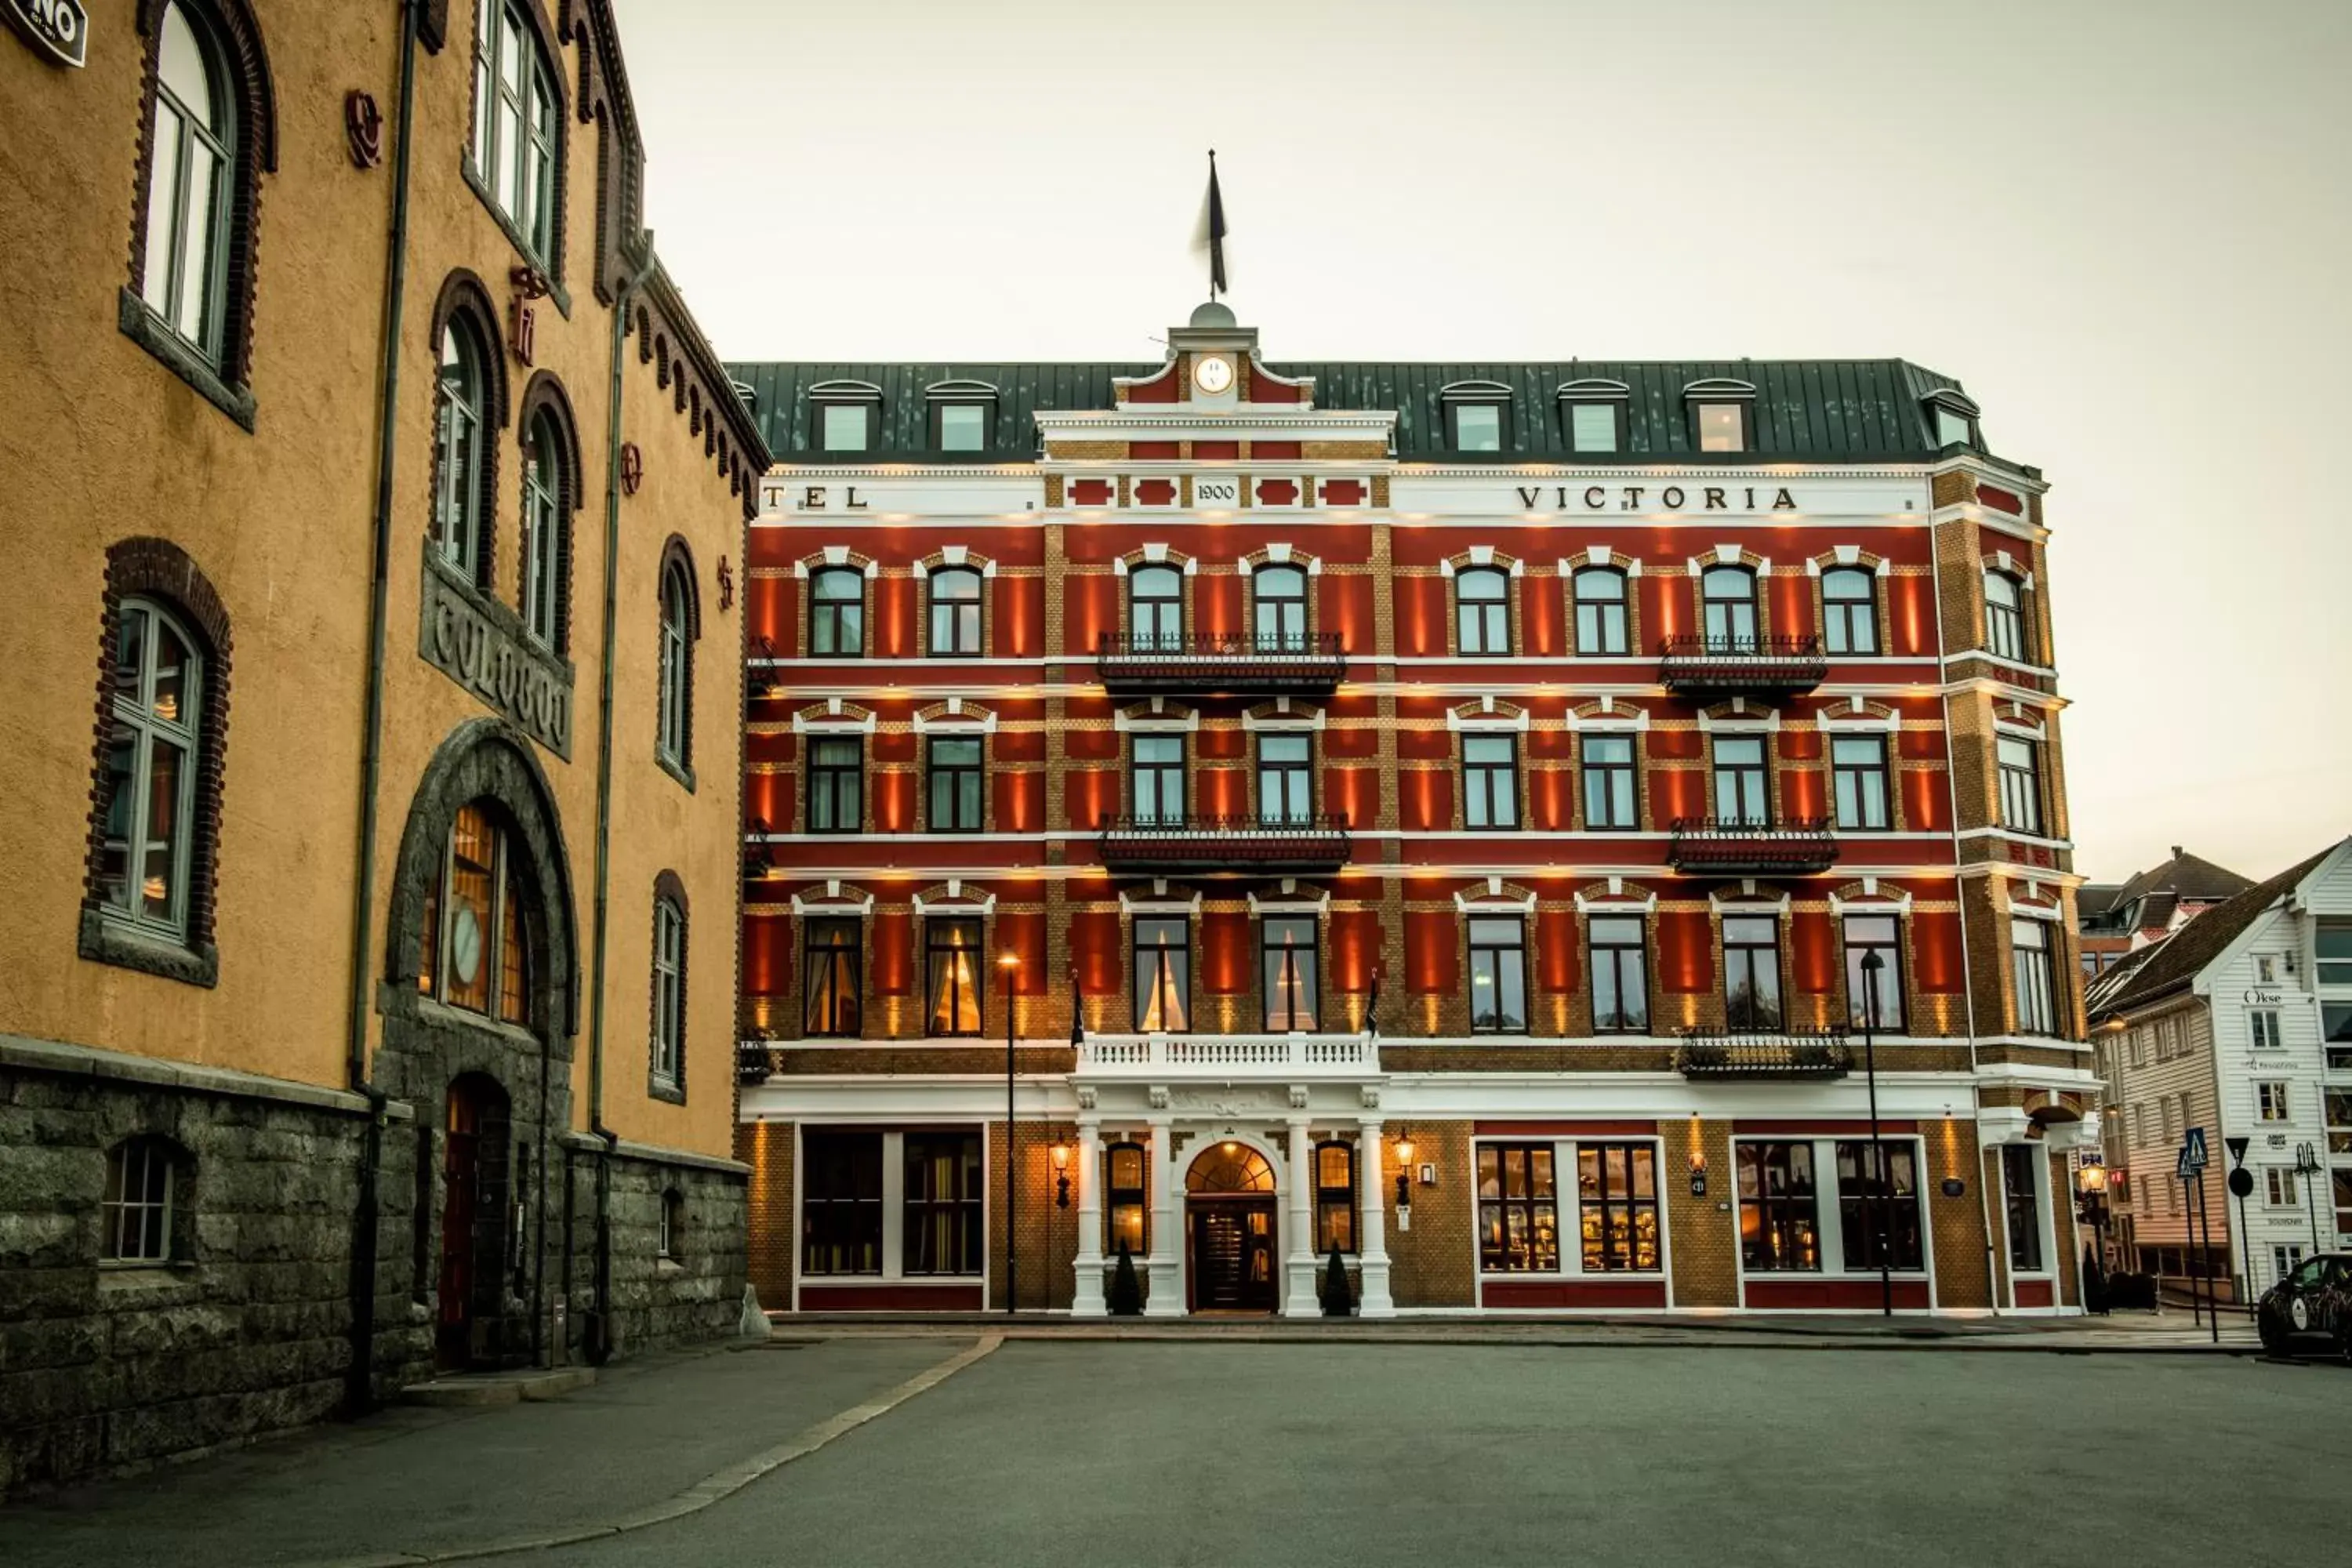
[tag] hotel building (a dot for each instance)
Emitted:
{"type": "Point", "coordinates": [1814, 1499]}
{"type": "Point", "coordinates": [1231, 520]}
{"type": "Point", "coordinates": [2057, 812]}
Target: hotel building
{"type": "Point", "coordinates": [1454, 816]}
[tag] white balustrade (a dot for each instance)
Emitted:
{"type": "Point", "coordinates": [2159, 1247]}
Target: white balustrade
{"type": "Point", "coordinates": [1226, 1055]}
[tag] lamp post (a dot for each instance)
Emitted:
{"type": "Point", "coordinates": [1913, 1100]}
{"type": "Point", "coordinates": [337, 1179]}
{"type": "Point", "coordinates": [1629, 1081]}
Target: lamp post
{"type": "Point", "coordinates": [1010, 963]}
{"type": "Point", "coordinates": [1870, 965]}
{"type": "Point", "coordinates": [2307, 1165]}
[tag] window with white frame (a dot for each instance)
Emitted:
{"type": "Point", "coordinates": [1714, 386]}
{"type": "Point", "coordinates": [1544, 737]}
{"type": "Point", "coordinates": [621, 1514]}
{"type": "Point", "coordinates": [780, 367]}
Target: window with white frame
{"type": "Point", "coordinates": [837, 612]}
{"type": "Point", "coordinates": [1611, 798]}
{"type": "Point", "coordinates": [192, 168]}
{"type": "Point", "coordinates": [1285, 778]}
{"type": "Point", "coordinates": [955, 611]}
{"type": "Point", "coordinates": [2033, 976]}
{"type": "Point", "coordinates": [2265, 969]}
{"type": "Point", "coordinates": [1482, 610]}
{"type": "Point", "coordinates": [1617, 1208]}
{"type": "Point", "coordinates": [1490, 781]}
{"type": "Point", "coordinates": [1620, 983]}
{"type": "Point", "coordinates": [1858, 783]}
{"type": "Point", "coordinates": [675, 728]}
{"type": "Point", "coordinates": [517, 131]}
{"type": "Point", "coordinates": [1850, 610]}
{"type": "Point", "coordinates": [1601, 619]}
{"type": "Point", "coordinates": [2005, 615]}
{"type": "Point", "coordinates": [459, 501]}
{"type": "Point", "coordinates": [669, 992]}
{"type": "Point", "coordinates": [2021, 783]}
{"type": "Point", "coordinates": [891, 1204]}
{"type": "Point", "coordinates": [154, 715]}
{"type": "Point", "coordinates": [2263, 1028]}
{"type": "Point", "coordinates": [1163, 973]}
{"type": "Point", "coordinates": [2270, 1101]}
{"type": "Point", "coordinates": [1743, 787]}
{"type": "Point", "coordinates": [1498, 975]}
{"type": "Point", "coordinates": [1155, 607]}
{"type": "Point", "coordinates": [2278, 1187]}
{"type": "Point", "coordinates": [1286, 954]}
{"type": "Point", "coordinates": [543, 487]}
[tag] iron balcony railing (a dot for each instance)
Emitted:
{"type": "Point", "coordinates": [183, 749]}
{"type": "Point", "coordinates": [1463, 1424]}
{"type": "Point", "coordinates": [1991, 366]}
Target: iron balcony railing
{"type": "Point", "coordinates": [1224, 843]}
{"type": "Point", "coordinates": [1729, 664]}
{"type": "Point", "coordinates": [1763, 1053]}
{"type": "Point", "coordinates": [1745, 845]}
{"type": "Point", "coordinates": [1220, 661]}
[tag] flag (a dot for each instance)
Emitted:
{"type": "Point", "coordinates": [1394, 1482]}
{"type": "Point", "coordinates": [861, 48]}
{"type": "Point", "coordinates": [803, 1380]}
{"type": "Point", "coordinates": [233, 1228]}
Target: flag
{"type": "Point", "coordinates": [1372, 1007]}
{"type": "Point", "coordinates": [1209, 236]}
{"type": "Point", "coordinates": [1078, 1010]}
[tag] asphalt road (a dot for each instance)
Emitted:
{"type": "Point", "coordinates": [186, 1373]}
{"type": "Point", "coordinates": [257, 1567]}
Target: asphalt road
{"type": "Point", "coordinates": [1149, 1454]}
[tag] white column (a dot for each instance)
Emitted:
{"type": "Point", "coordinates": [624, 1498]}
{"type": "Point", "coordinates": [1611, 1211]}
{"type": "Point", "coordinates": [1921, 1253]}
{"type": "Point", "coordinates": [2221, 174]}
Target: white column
{"type": "Point", "coordinates": [1298, 1270]}
{"type": "Point", "coordinates": [1166, 1297]}
{"type": "Point", "coordinates": [1086, 1297]}
{"type": "Point", "coordinates": [1374, 1300]}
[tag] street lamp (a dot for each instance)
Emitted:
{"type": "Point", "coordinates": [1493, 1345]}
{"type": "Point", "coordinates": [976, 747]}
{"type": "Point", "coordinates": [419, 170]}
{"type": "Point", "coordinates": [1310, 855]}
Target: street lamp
{"type": "Point", "coordinates": [1009, 963]}
{"type": "Point", "coordinates": [2308, 1166]}
{"type": "Point", "coordinates": [1870, 965]}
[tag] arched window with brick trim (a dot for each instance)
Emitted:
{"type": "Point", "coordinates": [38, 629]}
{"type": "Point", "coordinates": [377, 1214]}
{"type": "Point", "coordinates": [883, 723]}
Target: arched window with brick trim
{"type": "Point", "coordinates": [955, 626]}
{"type": "Point", "coordinates": [1482, 610]}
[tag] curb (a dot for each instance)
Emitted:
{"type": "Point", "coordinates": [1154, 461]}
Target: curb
{"type": "Point", "coordinates": [711, 1489]}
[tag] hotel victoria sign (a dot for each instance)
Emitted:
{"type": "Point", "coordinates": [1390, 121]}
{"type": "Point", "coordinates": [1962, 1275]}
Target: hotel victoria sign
{"type": "Point", "coordinates": [481, 645]}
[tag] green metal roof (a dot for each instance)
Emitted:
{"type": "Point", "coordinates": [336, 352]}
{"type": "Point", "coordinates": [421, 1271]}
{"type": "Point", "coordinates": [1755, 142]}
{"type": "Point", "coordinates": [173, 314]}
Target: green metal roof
{"type": "Point", "coordinates": [1856, 411]}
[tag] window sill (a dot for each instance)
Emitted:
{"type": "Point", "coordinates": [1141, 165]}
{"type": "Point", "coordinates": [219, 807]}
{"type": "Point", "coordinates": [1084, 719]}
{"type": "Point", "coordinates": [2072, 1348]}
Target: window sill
{"type": "Point", "coordinates": [667, 1090]}
{"type": "Point", "coordinates": [667, 1267]}
{"type": "Point", "coordinates": [108, 941]}
{"type": "Point", "coordinates": [143, 326]}
{"type": "Point", "coordinates": [682, 771]}
{"type": "Point", "coordinates": [556, 291]}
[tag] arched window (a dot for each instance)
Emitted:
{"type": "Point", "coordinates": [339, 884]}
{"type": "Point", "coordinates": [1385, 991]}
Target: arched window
{"type": "Point", "coordinates": [1601, 622]}
{"type": "Point", "coordinates": [1728, 609]}
{"type": "Point", "coordinates": [1483, 610]}
{"type": "Point", "coordinates": [544, 485]}
{"type": "Point", "coordinates": [675, 737]}
{"type": "Point", "coordinates": [1849, 610]}
{"type": "Point", "coordinates": [2004, 616]}
{"type": "Point", "coordinates": [669, 992]}
{"type": "Point", "coordinates": [458, 458]}
{"type": "Point", "coordinates": [955, 611]}
{"type": "Point", "coordinates": [516, 143]}
{"type": "Point", "coordinates": [1279, 608]}
{"type": "Point", "coordinates": [837, 613]}
{"type": "Point", "coordinates": [145, 1189]}
{"type": "Point", "coordinates": [1335, 1198]}
{"type": "Point", "coordinates": [191, 165]}
{"type": "Point", "coordinates": [1156, 609]}
{"type": "Point", "coordinates": [1230, 1167]}
{"type": "Point", "coordinates": [155, 715]}
{"type": "Point", "coordinates": [478, 922]}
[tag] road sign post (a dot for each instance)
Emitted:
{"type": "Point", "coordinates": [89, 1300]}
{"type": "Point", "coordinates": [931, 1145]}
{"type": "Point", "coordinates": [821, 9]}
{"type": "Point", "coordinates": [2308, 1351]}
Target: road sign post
{"type": "Point", "coordinates": [2241, 1181]}
{"type": "Point", "coordinates": [2190, 1168]}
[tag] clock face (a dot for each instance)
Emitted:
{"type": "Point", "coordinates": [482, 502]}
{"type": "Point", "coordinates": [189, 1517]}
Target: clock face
{"type": "Point", "coordinates": [1213, 373]}
{"type": "Point", "coordinates": [465, 947]}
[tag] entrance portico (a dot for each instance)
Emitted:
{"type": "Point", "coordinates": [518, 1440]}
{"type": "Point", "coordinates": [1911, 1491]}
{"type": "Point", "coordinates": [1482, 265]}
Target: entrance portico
{"type": "Point", "coordinates": [1231, 1124]}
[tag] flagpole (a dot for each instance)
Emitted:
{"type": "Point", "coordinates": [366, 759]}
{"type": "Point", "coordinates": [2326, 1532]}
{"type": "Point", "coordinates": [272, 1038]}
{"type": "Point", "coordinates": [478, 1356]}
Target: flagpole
{"type": "Point", "coordinates": [1214, 215]}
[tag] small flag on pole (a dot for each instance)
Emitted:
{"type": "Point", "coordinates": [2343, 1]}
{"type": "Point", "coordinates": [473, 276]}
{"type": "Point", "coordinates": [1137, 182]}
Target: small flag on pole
{"type": "Point", "coordinates": [1372, 1007]}
{"type": "Point", "coordinates": [1209, 237]}
{"type": "Point", "coordinates": [1078, 1010]}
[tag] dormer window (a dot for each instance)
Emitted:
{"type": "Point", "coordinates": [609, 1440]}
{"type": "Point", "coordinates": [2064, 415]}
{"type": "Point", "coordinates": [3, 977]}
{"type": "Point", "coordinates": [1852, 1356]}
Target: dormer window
{"type": "Point", "coordinates": [1953, 419]}
{"type": "Point", "coordinates": [1719, 413]}
{"type": "Point", "coordinates": [1592, 415]}
{"type": "Point", "coordinates": [845, 416]}
{"type": "Point", "coordinates": [963, 415]}
{"type": "Point", "coordinates": [1478, 415]}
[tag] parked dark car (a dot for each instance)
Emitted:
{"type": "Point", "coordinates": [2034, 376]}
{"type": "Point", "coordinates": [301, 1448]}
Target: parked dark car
{"type": "Point", "coordinates": [2311, 1309]}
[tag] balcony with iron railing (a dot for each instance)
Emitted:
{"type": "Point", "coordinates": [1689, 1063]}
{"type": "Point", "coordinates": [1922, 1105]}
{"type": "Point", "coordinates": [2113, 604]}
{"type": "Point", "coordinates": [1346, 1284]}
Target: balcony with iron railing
{"type": "Point", "coordinates": [1763, 1054]}
{"type": "Point", "coordinates": [1724, 665]}
{"type": "Point", "coordinates": [1747, 847]}
{"type": "Point", "coordinates": [1317, 843]}
{"type": "Point", "coordinates": [1203, 662]}
{"type": "Point", "coordinates": [1227, 1057]}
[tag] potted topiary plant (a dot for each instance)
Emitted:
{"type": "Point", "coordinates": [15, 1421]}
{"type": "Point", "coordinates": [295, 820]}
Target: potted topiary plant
{"type": "Point", "coordinates": [1126, 1290]}
{"type": "Point", "coordinates": [1339, 1296]}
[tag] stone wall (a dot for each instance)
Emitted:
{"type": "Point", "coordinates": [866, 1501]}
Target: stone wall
{"type": "Point", "coordinates": [696, 1290]}
{"type": "Point", "coordinates": [246, 1327]}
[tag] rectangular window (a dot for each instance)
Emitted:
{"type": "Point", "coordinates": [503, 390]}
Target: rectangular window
{"type": "Point", "coordinates": [2334, 954]}
{"type": "Point", "coordinates": [1878, 1206]}
{"type": "Point", "coordinates": [2278, 1187]}
{"type": "Point", "coordinates": [1779, 1231]}
{"type": "Point", "coordinates": [955, 784]}
{"type": "Point", "coordinates": [1617, 1206]}
{"type": "Point", "coordinates": [1600, 619]}
{"type": "Point", "coordinates": [1286, 951]}
{"type": "Point", "coordinates": [2340, 1185]}
{"type": "Point", "coordinates": [136, 1209]}
{"type": "Point", "coordinates": [1498, 975]}
{"type": "Point", "coordinates": [1751, 973]}
{"type": "Point", "coordinates": [1335, 1198]}
{"type": "Point", "coordinates": [1858, 771]}
{"type": "Point", "coordinates": [2337, 1106]}
{"type": "Point", "coordinates": [2265, 969]}
{"type": "Point", "coordinates": [1592, 426]}
{"type": "Point", "coordinates": [962, 426]}
{"type": "Point", "coordinates": [1743, 795]}
{"type": "Point", "coordinates": [1490, 781]}
{"type": "Point", "coordinates": [2140, 1126]}
{"type": "Point", "coordinates": [840, 1208]}
{"type": "Point", "coordinates": [952, 975]}
{"type": "Point", "coordinates": [1163, 973]}
{"type": "Point", "coordinates": [837, 785]}
{"type": "Point", "coordinates": [830, 971]}
{"type": "Point", "coordinates": [1126, 1204]}
{"type": "Point", "coordinates": [2270, 1101]}
{"type": "Point", "coordinates": [669, 991]}
{"type": "Point", "coordinates": [1952, 428]}
{"type": "Point", "coordinates": [2283, 1261]}
{"type": "Point", "coordinates": [1477, 426]}
{"type": "Point", "coordinates": [2022, 1195]}
{"type": "Point", "coordinates": [2336, 1028]}
{"type": "Point", "coordinates": [1867, 936]}
{"type": "Point", "coordinates": [941, 1234]}
{"type": "Point", "coordinates": [1609, 783]}
{"type": "Point", "coordinates": [1519, 1212]}
{"type": "Point", "coordinates": [844, 427]}
{"type": "Point", "coordinates": [1160, 780]}
{"type": "Point", "coordinates": [1620, 980]}
{"type": "Point", "coordinates": [1285, 780]}
{"type": "Point", "coordinates": [2262, 1025]}
{"type": "Point", "coordinates": [1849, 611]}
{"type": "Point", "coordinates": [2021, 783]}
{"type": "Point", "coordinates": [2033, 977]}
{"type": "Point", "coordinates": [1722, 426]}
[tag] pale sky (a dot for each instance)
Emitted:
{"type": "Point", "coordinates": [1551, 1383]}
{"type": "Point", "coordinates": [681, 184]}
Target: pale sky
{"type": "Point", "coordinates": [2124, 225]}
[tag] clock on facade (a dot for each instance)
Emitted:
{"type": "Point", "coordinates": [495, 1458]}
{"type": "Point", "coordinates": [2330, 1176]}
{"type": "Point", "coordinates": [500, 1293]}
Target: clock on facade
{"type": "Point", "coordinates": [466, 946]}
{"type": "Point", "coordinates": [1213, 373]}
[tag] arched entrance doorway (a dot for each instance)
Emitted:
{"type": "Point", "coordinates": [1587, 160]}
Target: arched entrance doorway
{"type": "Point", "coordinates": [476, 1197]}
{"type": "Point", "coordinates": [1229, 1230]}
